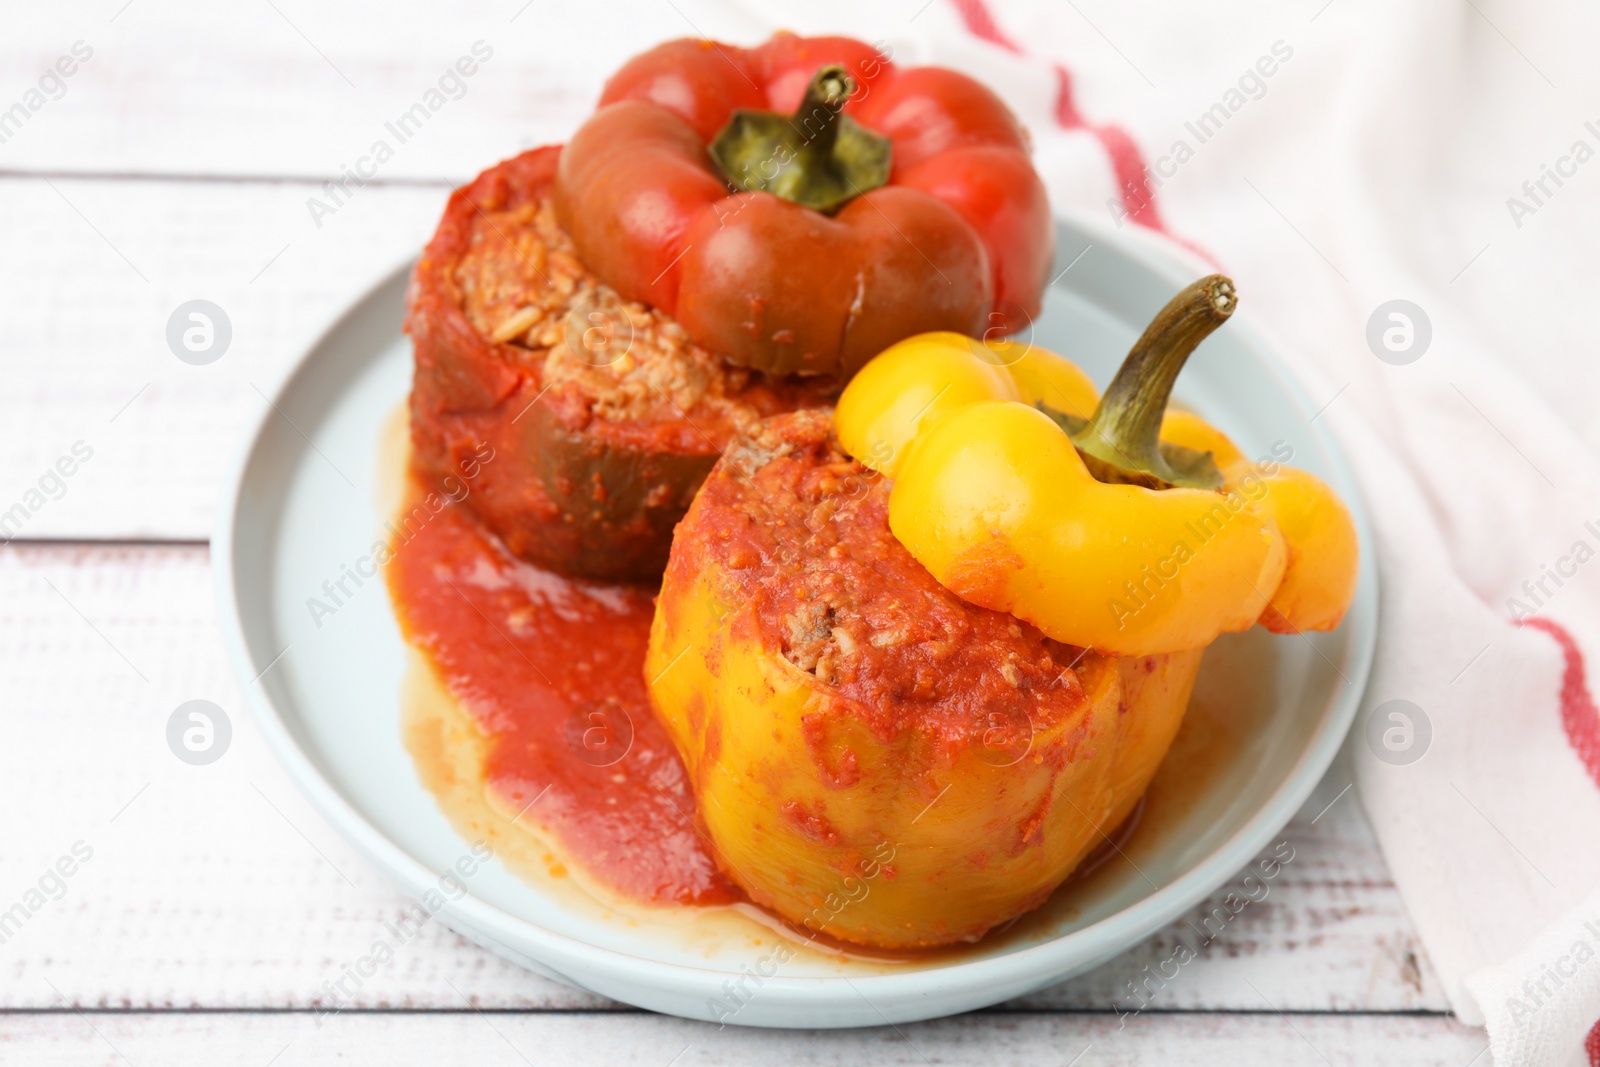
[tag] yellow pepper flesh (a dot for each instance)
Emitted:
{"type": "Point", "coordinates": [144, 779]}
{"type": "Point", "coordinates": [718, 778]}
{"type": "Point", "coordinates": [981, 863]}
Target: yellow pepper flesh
{"type": "Point", "coordinates": [927, 846]}
{"type": "Point", "coordinates": [993, 498]}
{"type": "Point", "coordinates": [1319, 576]}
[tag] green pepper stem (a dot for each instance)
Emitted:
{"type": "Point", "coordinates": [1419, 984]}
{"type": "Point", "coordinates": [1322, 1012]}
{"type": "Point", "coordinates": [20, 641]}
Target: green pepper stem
{"type": "Point", "coordinates": [818, 157]}
{"type": "Point", "coordinates": [817, 118]}
{"type": "Point", "coordinates": [1124, 433]}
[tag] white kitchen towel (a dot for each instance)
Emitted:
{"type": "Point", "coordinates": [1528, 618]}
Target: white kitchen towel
{"type": "Point", "coordinates": [1334, 157]}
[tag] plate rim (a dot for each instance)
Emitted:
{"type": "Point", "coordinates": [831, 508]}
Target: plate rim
{"type": "Point", "coordinates": [1036, 965]}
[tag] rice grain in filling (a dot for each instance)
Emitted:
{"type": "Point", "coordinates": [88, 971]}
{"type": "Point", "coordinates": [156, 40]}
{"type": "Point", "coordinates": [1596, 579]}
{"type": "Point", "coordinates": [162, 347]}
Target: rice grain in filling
{"type": "Point", "coordinates": [522, 284]}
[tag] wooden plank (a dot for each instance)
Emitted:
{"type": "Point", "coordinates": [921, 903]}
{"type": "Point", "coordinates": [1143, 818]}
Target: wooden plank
{"type": "Point", "coordinates": [85, 336]}
{"type": "Point", "coordinates": [300, 88]}
{"type": "Point", "coordinates": [652, 1041]}
{"type": "Point", "coordinates": [219, 887]}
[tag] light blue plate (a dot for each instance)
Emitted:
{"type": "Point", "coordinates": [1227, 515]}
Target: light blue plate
{"type": "Point", "coordinates": [299, 510]}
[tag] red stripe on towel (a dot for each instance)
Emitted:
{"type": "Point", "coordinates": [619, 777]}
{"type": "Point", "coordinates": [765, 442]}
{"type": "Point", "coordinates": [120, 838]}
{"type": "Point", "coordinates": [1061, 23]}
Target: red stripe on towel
{"type": "Point", "coordinates": [1579, 716]}
{"type": "Point", "coordinates": [1127, 162]}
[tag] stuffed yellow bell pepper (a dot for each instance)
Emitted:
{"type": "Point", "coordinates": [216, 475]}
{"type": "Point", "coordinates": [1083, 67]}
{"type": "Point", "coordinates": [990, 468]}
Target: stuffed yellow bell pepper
{"type": "Point", "coordinates": [919, 659]}
{"type": "Point", "coordinates": [874, 758]}
{"type": "Point", "coordinates": [1108, 523]}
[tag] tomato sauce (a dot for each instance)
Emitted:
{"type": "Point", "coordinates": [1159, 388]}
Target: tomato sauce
{"type": "Point", "coordinates": [475, 613]}
{"type": "Point", "coordinates": [552, 671]}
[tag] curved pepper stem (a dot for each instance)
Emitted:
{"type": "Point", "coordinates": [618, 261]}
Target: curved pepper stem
{"type": "Point", "coordinates": [819, 113]}
{"type": "Point", "coordinates": [818, 157]}
{"type": "Point", "coordinates": [1122, 440]}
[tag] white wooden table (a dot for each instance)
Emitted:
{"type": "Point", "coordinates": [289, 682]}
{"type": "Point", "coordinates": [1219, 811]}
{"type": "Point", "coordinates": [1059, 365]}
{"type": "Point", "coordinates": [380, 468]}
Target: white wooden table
{"type": "Point", "coordinates": [215, 908]}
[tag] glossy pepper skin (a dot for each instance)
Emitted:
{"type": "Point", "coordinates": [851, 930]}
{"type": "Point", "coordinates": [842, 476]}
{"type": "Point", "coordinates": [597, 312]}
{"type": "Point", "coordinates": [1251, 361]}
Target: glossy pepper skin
{"type": "Point", "coordinates": [959, 239]}
{"type": "Point", "coordinates": [849, 805]}
{"type": "Point", "coordinates": [994, 499]}
{"type": "Point", "coordinates": [1319, 575]}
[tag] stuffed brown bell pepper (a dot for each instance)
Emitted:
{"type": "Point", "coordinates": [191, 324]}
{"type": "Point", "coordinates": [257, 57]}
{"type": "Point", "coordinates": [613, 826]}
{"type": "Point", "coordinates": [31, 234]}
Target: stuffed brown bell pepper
{"type": "Point", "coordinates": [542, 312]}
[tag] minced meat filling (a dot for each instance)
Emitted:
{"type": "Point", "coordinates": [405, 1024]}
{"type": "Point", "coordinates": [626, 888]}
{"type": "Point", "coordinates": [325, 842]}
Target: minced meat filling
{"type": "Point", "coordinates": [802, 531]}
{"type": "Point", "coordinates": [522, 284]}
